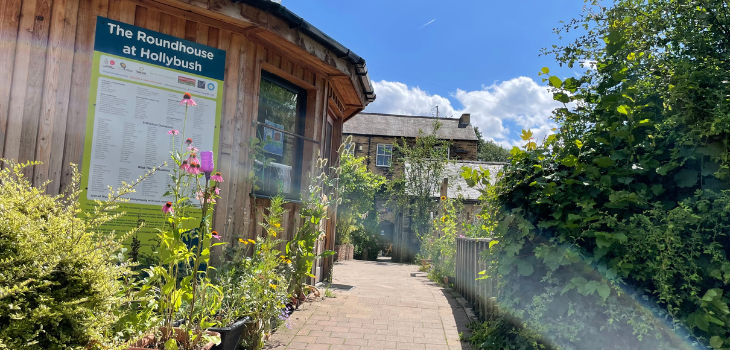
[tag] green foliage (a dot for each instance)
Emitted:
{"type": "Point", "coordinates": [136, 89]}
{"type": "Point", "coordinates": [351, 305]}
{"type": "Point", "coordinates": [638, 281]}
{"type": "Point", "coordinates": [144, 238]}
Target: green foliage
{"type": "Point", "coordinates": [490, 151]}
{"type": "Point", "coordinates": [254, 283]}
{"type": "Point", "coordinates": [357, 188]}
{"type": "Point", "coordinates": [439, 245]}
{"type": "Point", "coordinates": [321, 193]}
{"type": "Point", "coordinates": [366, 239]}
{"type": "Point", "coordinates": [422, 164]}
{"type": "Point", "coordinates": [501, 334]}
{"type": "Point", "coordinates": [628, 201]}
{"type": "Point", "coordinates": [62, 280]}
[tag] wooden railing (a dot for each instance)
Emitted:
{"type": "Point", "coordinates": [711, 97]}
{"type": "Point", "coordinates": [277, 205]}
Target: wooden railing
{"type": "Point", "coordinates": [481, 294]}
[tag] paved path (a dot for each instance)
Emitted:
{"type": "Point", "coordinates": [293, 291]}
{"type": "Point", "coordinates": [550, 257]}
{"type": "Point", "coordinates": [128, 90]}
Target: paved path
{"type": "Point", "coordinates": [393, 306]}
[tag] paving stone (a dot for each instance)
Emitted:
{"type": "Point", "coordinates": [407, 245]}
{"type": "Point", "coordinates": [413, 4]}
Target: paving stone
{"type": "Point", "coordinates": [387, 309]}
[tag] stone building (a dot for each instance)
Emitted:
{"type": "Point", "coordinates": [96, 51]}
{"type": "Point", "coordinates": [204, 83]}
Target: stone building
{"type": "Point", "coordinates": [373, 137]}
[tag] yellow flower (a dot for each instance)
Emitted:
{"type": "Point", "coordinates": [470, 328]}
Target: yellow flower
{"type": "Point", "coordinates": [272, 286]}
{"type": "Point", "coordinates": [272, 232]}
{"type": "Point", "coordinates": [242, 241]}
{"type": "Point", "coordinates": [443, 198]}
{"type": "Point", "coordinates": [443, 219]}
{"type": "Point", "coordinates": [288, 261]}
{"type": "Point", "coordinates": [277, 225]}
{"type": "Point", "coordinates": [252, 241]}
{"type": "Point", "coordinates": [282, 257]}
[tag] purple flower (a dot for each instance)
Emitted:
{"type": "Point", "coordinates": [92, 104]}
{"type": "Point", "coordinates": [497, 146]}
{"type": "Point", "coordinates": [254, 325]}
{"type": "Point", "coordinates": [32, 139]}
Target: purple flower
{"type": "Point", "coordinates": [167, 208]}
{"type": "Point", "coordinates": [173, 132]}
{"type": "Point", "coordinates": [217, 177]}
{"type": "Point", "coordinates": [187, 100]}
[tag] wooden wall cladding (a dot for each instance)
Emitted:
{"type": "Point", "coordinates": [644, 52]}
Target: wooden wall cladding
{"type": "Point", "coordinates": [46, 48]}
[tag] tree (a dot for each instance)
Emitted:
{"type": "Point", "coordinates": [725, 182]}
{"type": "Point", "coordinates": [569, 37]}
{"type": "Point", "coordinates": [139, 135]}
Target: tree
{"type": "Point", "coordinates": [631, 192]}
{"type": "Point", "coordinates": [358, 187]}
{"type": "Point", "coordinates": [420, 167]}
{"type": "Point", "coordinates": [490, 151]}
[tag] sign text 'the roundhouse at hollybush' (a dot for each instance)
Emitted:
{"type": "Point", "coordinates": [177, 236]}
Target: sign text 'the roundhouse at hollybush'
{"type": "Point", "coordinates": [161, 57]}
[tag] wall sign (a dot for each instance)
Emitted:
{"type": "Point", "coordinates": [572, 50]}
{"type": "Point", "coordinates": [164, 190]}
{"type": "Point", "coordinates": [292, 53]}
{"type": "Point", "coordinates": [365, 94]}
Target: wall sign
{"type": "Point", "coordinates": [137, 81]}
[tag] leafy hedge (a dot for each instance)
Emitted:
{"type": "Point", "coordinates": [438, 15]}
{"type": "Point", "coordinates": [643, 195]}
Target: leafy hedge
{"type": "Point", "coordinates": [613, 232]}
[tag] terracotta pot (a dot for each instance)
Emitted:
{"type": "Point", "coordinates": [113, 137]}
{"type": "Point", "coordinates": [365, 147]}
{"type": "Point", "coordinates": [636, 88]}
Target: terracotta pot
{"type": "Point", "coordinates": [143, 343]}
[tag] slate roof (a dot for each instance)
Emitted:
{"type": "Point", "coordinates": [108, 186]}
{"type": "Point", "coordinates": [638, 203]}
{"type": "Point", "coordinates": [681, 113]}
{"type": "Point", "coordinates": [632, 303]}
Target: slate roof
{"type": "Point", "coordinates": [406, 126]}
{"type": "Point", "coordinates": [457, 184]}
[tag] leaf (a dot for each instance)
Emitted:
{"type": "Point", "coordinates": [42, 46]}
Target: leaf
{"type": "Point", "coordinates": [570, 161]}
{"type": "Point", "coordinates": [623, 109]}
{"type": "Point", "coordinates": [716, 342]}
{"type": "Point", "coordinates": [171, 344]}
{"type": "Point", "coordinates": [544, 70]}
{"type": "Point", "coordinates": [555, 82]}
{"type": "Point", "coordinates": [524, 268]}
{"type": "Point", "coordinates": [492, 243]}
{"type": "Point", "coordinates": [526, 135]}
{"type": "Point", "coordinates": [561, 97]}
{"type": "Point", "coordinates": [604, 162]}
{"type": "Point", "coordinates": [604, 291]}
{"type": "Point", "coordinates": [686, 178]}
{"type": "Point", "coordinates": [657, 189]}
{"type": "Point", "coordinates": [579, 143]}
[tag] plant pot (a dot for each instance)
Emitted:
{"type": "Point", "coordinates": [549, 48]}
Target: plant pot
{"type": "Point", "coordinates": [143, 343]}
{"type": "Point", "coordinates": [451, 280]}
{"type": "Point", "coordinates": [231, 335]}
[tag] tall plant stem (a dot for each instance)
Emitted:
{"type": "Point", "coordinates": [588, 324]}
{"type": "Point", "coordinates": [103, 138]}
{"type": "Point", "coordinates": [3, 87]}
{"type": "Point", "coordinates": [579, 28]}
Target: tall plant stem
{"type": "Point", "coordinates": [201, 238]}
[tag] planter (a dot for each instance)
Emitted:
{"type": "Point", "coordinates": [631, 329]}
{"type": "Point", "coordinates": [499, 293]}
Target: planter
{"type": "Point", "coordinates": [231, 335]}
{"type": "Point", "coordinates": [344, 252]}
{"type": "Point", "coordinates": [143, 343]}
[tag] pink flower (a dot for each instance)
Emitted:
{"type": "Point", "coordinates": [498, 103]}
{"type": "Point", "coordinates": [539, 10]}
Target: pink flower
{"type": "Point", "coordinates": [217, 177]}
{"type": "Point", "coordinates": [217, 190]}
{"type": "Point", "coordinates": [215, 235]}
{"type": "Point", "coordinates": [184, 166]}
{"type": "Point", "coordinates": [462, 236]}
{"type": "Point", "coordinates": [187, 100]}
{"type": "Point", "coordinates": [173, 132]}
{"type": "Point", "coordinates": [194, 169]}
{"type": "Point", "coordinates": [167, 208]}
{"type": "Point", "coordinates": [193, 159]}
{"type": "Point", "coordinates": [189, 141]}
{"type": "Point", "coordinates": [192, 149]}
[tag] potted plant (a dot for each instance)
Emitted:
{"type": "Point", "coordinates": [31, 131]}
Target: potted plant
{"type": "Point", "coordinates": [233, 315]}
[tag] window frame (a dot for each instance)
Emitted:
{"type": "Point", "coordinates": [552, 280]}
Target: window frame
{"type": "Point", "coordinates": [298, 134]}
{"type": "Point", "coordinates": [377, 154]}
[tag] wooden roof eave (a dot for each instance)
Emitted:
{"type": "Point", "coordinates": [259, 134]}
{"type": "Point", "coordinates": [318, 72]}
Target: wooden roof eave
{"type": "Point", "coordinates": [265, 29]}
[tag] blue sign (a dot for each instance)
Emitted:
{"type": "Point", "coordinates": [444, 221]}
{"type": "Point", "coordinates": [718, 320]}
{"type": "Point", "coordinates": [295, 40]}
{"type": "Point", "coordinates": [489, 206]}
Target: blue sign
{"type": "Point", "coordinates": [145, 45]}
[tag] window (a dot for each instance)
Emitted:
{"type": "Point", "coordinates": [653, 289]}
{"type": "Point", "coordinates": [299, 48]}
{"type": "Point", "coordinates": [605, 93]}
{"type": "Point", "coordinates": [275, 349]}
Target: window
{"type": "Point", "coordinates": [384, 155]}
{"type": "Point", "coordinates": [280, 128]}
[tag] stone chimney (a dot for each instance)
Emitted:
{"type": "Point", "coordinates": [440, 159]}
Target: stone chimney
{"type": "Point", "coordinates": [465, 120]}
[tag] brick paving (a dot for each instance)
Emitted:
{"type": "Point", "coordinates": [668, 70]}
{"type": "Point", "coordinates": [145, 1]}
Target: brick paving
{"type": "Point", "coordinates": [393, 306]}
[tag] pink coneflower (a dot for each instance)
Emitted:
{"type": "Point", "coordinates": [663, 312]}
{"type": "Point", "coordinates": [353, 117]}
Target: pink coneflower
{"type": "Point", "coordinates": [217, 177]}
{"type": "Point", "coordinates": [193, 159]}
{"type": "Point", "coordinates": [189, 141]}
{"type": "Point", "coordinates": [167, 208]}
{"type": "Point", "coordinates": [187, 100]}
{"type": "Point", "coordinates": [194, 168]}
{"type": "Point", "coordinates": [217, 190]}
{"type": "Point", "coordinates": [192, 149]}
{"type": "Point", "coordinates": [215, 235]}
{"type": "Point", "coordinates": [173, 132]}
{"type": "Point", "coordinates": [184, 166]}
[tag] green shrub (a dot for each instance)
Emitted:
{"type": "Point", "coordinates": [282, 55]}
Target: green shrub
{"type": "Point", "coordinates": [60, 278]}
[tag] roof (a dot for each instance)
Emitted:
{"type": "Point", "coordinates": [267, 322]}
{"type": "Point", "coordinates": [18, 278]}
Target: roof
{"type": "Point", "coordinates": [298, 23]}
{"type": "Point", "coordinates": [457, 184]}
{"type": "Point", "coordinates": [406, 126]}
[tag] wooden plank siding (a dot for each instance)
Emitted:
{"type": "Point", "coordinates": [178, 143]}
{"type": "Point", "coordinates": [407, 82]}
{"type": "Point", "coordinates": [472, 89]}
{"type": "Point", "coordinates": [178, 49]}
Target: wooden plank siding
{"type": "Point", "coordinates": [46, 48]}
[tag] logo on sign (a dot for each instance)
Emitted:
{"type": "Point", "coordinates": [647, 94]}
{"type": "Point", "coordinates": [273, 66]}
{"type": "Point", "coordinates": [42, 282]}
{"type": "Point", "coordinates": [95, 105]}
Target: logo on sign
{"type": "Point", "coordinates": [211, 86]}
{"type": "Point", "coordinates": [186, 81]}
{"type": "Point", "coordinates": [124, 66]}
{"type": "Point", "coordinates": [111, 62]}
{"type": "Point", "coordinates": [201, 84]}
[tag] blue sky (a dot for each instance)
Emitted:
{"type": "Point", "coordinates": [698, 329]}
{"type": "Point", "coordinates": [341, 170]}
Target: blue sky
{"type": "Point", "coordinates": [475, 56]}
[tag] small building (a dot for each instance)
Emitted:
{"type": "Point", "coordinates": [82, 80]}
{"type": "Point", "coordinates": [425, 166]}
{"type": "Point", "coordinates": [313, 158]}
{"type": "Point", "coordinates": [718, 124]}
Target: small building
{"type": "Point", "coordinates": [97, 83]}
{"type": "Point", "coordinates": [373, 136]}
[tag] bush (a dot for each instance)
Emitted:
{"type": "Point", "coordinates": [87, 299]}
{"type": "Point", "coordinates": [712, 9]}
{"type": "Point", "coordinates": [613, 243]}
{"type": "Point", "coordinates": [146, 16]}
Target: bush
{"type": "Point", "coordinates": [60, 278]}
{"type": "Point", "coordinates": [364, 239]}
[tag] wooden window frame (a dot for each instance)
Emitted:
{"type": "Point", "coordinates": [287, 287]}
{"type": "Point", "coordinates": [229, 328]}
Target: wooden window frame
{"type": "Point", "coordinates": [377, 154]}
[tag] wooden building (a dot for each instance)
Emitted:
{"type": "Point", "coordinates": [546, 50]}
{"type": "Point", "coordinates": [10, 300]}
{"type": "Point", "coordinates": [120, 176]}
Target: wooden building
{"type": "Point", "coordinates": [46, 53]}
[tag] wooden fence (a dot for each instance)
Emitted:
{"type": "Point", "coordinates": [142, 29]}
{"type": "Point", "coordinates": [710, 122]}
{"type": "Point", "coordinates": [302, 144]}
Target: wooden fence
{"type": "Point", "coordinates": [481, 294]}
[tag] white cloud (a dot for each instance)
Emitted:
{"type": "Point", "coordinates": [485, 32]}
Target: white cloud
{"type": "Point", "coordinates": [500, 110]}
{"type": "Point", "coordinates": [397, 98]}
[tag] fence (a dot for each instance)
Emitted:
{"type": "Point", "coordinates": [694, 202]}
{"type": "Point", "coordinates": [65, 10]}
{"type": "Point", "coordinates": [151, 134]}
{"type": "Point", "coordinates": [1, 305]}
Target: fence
{"type": "Point", "coordinates": [481, 294]}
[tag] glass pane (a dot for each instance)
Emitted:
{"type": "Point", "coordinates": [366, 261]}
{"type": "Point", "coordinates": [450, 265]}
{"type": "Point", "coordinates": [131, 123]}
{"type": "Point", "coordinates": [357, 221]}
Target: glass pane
{"type": "Point", "coordinates": [278, 107]}
{"type": "Point", "coordinates": [280, 172]}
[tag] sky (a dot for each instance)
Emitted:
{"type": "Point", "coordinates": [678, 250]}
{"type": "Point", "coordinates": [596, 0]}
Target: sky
{"type": "Point", "coordinates": [467, 56]}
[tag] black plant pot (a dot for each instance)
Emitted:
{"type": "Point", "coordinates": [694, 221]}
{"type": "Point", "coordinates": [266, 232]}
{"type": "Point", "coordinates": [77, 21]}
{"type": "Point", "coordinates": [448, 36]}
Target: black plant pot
{"type": "Point", "coordinates": [231, 335]}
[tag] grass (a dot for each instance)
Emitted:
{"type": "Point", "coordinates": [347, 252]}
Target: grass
{"type": "Point", "coordinates": [328, 293]}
